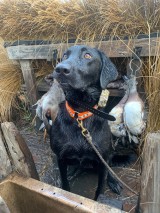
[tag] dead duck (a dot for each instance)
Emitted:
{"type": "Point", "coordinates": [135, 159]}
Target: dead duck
{"type": "Point", "coordinates": [117, 127]}
{"type": "Point", "coordinates": [47, 107]}
{"type": "Point", "coordinates": [133, 114]}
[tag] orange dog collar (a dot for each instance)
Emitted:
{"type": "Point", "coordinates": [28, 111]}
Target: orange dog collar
{"type": "Point", "coordinates": [80, 115]}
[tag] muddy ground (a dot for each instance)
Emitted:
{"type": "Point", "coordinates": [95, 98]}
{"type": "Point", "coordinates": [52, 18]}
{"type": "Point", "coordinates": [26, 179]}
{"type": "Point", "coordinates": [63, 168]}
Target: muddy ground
{"type": "Point", "coordinates": [82, 182]}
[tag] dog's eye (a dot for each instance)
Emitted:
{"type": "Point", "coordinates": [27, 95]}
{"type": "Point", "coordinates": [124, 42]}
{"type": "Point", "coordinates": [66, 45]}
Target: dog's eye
{"type": "Point", "coordinates": [88, 56]}
{"type": "Point", "coordinates": [65, 56]}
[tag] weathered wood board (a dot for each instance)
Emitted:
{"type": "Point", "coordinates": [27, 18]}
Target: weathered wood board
{"type": "Point", "coordinates": [115, 48]}
{"type": "Point", "coordinates": [5, 165]}
{"type": "Point", "coordinates": [30, 82]}
{"type": "Point", "coordinates": [150, 180]}
{"type": "Point", "coordinates": [29, 52]}
{"type": "Point", "coordinates": [18, 152]}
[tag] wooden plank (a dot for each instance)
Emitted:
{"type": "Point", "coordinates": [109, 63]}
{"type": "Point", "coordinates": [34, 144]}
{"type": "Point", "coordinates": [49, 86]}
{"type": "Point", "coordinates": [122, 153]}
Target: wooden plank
{"type": "Point", "coordinates": [5, 165]}
{"type": "Point", "coordinates": [20, 156]}
{"type": "Point", "coordinates": [115, 48]}
{"type": "Point", "coordinates": [29, 52]}
{"type": "Point", "coordinates": [150, 181]}
{"type": "Point", "coordinates": [30, 82]}
{"type": "Point", "coordinates": [26, 195]}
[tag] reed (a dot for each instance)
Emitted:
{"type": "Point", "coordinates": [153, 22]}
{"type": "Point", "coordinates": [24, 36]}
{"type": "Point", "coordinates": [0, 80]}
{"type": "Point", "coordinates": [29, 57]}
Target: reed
{"type": "Point", "coordinates": [151, 75]}
{"type": "Point", "coordinates": [80, 19]}
{"type": "Point", "coordinates": [10, 82]}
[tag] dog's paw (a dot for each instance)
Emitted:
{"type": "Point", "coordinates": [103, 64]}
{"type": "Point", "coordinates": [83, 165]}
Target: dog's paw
{"type": "Point", "coordinates": [114, 184]}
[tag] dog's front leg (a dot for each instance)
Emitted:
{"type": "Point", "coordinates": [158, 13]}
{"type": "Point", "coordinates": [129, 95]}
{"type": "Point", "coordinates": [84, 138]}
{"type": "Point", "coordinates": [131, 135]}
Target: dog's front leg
{"type": "Point", "coordinates": [101, 180]}
{"type": "Point", "coordinates": [63, 174]}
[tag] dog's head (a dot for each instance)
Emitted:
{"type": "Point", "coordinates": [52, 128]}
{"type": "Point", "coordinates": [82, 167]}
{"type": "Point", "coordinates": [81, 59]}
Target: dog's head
{"type": "Point", "coordinates": [83, 66]}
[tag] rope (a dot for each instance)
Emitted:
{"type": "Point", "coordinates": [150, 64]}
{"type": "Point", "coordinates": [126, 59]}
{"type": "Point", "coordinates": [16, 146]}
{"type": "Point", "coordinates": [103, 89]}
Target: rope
{"type": "Point", "coordinates": [88, 137]}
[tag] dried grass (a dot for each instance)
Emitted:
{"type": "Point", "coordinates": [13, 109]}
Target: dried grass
{"type": "Point", "coordinates": [80, 19]}
{"type": "Point", "coordinates": [42, 68]}
{"type": "Point", "coordinates": [151, 73]}
{"type": "Point", "coordinates": [10, 82]}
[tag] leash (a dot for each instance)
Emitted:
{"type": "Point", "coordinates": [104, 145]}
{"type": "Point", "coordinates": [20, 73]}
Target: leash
{"type": "Point", "coordinates": [94, 111]}
{"type": "Point", "coordinates": [88, 137]}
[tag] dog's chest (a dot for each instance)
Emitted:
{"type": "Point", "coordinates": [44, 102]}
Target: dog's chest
{"type": "Point", "coordinates": [66, 135]}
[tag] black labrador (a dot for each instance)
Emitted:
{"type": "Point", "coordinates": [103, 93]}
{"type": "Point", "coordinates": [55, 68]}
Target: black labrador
{"type": "Point", "coordinates": [82, 74]}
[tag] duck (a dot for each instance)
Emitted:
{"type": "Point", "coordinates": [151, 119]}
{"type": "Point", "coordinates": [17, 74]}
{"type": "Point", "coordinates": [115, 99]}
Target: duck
{"type": "Point", "coordinates": [47, 106]}
{"type": "Point", "coordinates": [117, 127]}
{"type": "Point", "coordinates": [133, 114]}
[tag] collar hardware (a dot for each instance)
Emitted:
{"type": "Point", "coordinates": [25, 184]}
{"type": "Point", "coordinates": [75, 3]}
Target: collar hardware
{"type": "Point", "coordinates": [84, 131]}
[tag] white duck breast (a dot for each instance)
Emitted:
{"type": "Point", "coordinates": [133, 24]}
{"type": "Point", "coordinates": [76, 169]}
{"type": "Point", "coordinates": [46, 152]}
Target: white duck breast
{"type": "Point", "coordinates": [133, 117]}
{"type": "Point", "coordinates": [117, 127]}
{"type": "Point", "coordinates": [134, 110]}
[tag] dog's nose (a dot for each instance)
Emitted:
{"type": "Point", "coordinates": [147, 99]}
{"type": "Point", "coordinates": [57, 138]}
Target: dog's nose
{"type": "Point", "coordinates": [63, 69]}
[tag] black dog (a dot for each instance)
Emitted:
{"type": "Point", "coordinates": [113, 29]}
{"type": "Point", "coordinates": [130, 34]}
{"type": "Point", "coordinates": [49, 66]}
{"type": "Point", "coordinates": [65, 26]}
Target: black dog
{"type": "Point", "coordinates": [82, 74]}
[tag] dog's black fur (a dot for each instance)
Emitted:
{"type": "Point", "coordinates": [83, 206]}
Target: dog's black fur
{"type": "Point", "coordinates": [83, 73]}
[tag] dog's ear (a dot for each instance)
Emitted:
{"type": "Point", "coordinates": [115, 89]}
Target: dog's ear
{"type": "Point", "coordinates": [108, 72]}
